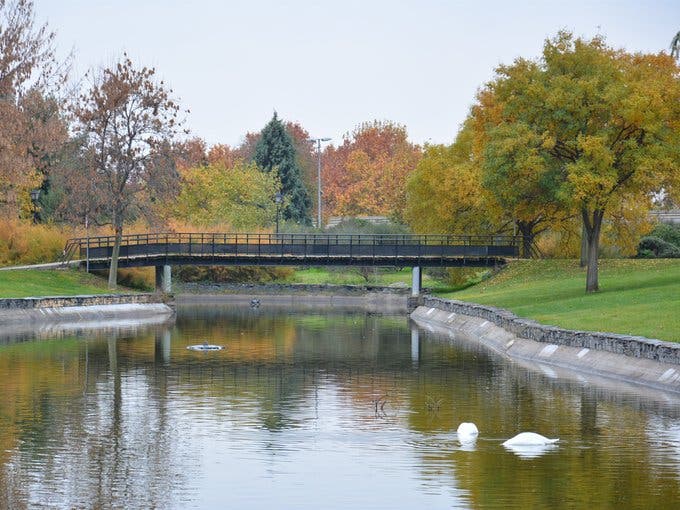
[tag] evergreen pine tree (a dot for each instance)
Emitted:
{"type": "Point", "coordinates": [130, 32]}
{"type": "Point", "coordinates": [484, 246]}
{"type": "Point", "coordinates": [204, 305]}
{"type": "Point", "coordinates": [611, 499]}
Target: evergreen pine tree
{"type": "Point", "coordinates": [275, 150]}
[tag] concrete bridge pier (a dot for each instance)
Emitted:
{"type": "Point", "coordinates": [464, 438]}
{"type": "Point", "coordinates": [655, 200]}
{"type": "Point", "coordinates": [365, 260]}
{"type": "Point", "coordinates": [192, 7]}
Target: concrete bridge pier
{"type": "Point", "coordinates": [416, 281]}
{"type": "Point", "coordinates": [163, 279]}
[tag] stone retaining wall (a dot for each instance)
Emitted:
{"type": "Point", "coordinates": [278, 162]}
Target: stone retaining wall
{"type": "Point", "coordinates": [373, 302]}
{"type": "Point", "coordinates": [31, 311]}
{"type": "Point", "coordinates": [581, 364]}
{"type": "Point", "coordinates": [89, 300]}
{"type": "Point", "coordinates": [283, 288]}
{"type": "Point", "coordinates": [628, 345]}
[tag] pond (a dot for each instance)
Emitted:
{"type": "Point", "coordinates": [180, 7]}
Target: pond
{"type": "Point", "coordinates": [322, 409]}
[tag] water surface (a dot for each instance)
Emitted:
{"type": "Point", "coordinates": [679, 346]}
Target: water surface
{"type": "Point", "coordinates": [315, 410]}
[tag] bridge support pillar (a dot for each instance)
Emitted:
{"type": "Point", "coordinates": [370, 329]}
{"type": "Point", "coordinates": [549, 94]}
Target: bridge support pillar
{"type": "Point", "coordinates": [416, 281]}
{"type": "Point", "coordinates": [163, 279]}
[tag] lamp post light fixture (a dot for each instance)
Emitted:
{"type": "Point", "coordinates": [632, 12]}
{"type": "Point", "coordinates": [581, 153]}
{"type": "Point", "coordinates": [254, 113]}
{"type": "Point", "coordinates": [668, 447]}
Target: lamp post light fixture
{"type": "Point", "coordinates": [87, 246]}
{"type": "Point", "coordinates": [35, 196]}
{"type": "Point", "coordinates": [278, 198]}
{"type": "Point", "coordinates": [318, 141]}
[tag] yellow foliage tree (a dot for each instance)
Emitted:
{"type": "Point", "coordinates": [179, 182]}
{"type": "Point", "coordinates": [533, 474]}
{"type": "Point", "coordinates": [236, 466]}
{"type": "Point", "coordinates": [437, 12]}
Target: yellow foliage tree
{"type": "Point", "coordinates": [241, 197]}
{"type": "Point", "coordinates": [585, 128]}
{"type": "Point", "coordinates": [445, 193]}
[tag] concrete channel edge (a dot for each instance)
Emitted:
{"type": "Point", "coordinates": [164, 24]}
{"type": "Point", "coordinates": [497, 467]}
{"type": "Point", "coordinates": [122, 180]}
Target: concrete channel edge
{"type": "Point", "coordinates": [90, 307]}
{"type": "Point", "coordinates": [631, 358]}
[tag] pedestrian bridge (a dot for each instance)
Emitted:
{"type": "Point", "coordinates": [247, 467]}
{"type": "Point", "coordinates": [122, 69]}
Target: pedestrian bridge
{"type": "Point", "coordinates": [163, 250]}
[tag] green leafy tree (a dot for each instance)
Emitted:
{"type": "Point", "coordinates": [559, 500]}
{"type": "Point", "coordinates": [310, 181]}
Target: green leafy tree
{"type": "Point", "coordinates": [241, 196]}
{"type": "Point", "coordinates": [521, 180]}
{"type": "Point", "coordinates": [275, 152]}
{"type": "Point", "coordinates": [445, 192]}
{"type": "Point", "coordinates": [594, 127]}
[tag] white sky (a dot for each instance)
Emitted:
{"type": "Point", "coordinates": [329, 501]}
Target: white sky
{"type": "Point", "coordinates": [332, 65]}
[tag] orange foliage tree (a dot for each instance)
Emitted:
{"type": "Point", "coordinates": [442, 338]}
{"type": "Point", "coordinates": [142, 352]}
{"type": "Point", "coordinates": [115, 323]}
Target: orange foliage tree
{"type": "Point", "coordinates": [32, 128]}
{"type": "Point", "coordinates": [367, 174]}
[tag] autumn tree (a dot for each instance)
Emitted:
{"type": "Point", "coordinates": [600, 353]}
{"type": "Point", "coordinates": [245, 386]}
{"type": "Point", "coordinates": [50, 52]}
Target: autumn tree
{"type": "Point", "coordinates": [190, 153]}
{"type": "Point", "coordinates": [591, 126]}
{"type": "Point", "coordinates": [275, 151]}
{"type": "Point", "coordinates": [366, 175]}
{"type": "Point", "coordinates": [226, 156]}
{"type": "Point", "coordinates": [445, 192]}
{"type": "Point", "coordinates": [32, 126]}
{"type": "Point", "coordinates": [521, 181]}
{"type": "Point", "coordinates": [72, 194]}
{"type": "Point", "coordinates": [239, 196]}
{"type": "Point", "coordinates": [129, 121]}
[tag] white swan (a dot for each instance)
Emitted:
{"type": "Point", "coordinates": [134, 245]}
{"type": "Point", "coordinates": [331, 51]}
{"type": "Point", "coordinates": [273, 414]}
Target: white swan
{"type": "Point", "coordinates": [467, 432]}
{"type": "Point", "coordinates": [529, 439]}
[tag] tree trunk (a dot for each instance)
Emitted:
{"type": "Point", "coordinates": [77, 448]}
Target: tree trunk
{"type": "Point", "coordinates": [584, 246]}
{"type": "Point", "coordinates": [113, 268]}
{"type": "Point", "coordinates": [592, 226]}
{"type": "Point", "coordinates": [526, 228]}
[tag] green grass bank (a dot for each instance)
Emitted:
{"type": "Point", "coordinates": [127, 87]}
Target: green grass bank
{"type": "Point", "coordinates": [639, 297]}
{"type": "Point", "coordinates": [351, 276]}
{"type": "Point", "coordinates": [39, 283]}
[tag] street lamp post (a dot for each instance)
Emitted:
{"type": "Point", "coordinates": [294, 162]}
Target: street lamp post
{"type": "Point", "coordinates": [318, 178]}
{"type": "Point", "coordinates": [87, 246]}
{"type": "Point", "coordinates": [35, 196]}
{"type": "Point", "coordinates": [278, 198]}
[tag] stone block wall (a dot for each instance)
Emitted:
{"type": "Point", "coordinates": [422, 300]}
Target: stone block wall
{"type": "Point", "coordinates": [31, 303]}
{"type": "Point", "coordinates": [628, 345]}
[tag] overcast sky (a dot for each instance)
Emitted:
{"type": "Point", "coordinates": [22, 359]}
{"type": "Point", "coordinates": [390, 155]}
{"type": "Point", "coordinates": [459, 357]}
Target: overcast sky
{"type": "Point", "coordinates": [332, 65]}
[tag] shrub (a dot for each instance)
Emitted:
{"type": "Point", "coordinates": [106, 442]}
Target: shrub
{"type": "Point", "coordinates": [655, 247]}
{"type": "Point", "coordinates": [233, 274]}
{"type": "Point", "coordinates": [669, 233]}
{"type": "Point", "coordinates": [359, 226]}
{"type": "Point", "coordinates": [22, 242]}
{"type": "Point", "coordinates": [140, 278]}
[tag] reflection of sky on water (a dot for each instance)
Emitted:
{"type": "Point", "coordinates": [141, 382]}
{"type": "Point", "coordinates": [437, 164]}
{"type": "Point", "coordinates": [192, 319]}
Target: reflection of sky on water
{"type": "Point", "coordinates": [664, 434]}
{"type": "Point", "coordinates": [318, 464]}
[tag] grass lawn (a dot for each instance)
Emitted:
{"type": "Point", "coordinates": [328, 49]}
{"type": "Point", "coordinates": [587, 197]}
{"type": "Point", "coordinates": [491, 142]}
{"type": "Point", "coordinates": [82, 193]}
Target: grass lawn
{"type": "Point", "coordinates": [640, 297]}
{"type": "Point", "coordinates": [349, 276]}
{"type": "Point", "coordinates": [37, 283]}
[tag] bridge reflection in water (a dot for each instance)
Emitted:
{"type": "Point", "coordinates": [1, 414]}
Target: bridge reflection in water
{"type": "Point", "coordinates": [163, 250]}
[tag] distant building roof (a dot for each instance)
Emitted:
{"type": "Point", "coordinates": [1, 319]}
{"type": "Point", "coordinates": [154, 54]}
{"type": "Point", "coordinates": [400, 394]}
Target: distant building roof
{"type": "Point", "coordinates": [667, 215]}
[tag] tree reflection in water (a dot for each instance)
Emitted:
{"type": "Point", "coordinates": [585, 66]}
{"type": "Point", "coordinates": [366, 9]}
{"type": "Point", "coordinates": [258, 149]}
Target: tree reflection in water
{"type": "Point", "coordinates": [132, 418]}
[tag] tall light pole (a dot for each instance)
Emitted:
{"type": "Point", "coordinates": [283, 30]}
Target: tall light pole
{"type": "Point", "coordinates": [87, 247]}
{"type": "Point", "coordinates": [278, 198]}
{"type": "Point", "coordinates": [35, 196]}
{"type": "Point", "coordinates": [318, 141]}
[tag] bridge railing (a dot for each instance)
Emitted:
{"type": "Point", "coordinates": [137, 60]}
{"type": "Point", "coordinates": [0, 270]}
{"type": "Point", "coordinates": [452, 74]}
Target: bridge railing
{"type": "Point", "coordinates": [295, 238]}
{"type": "Point", "coordinates": [296, 245]}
